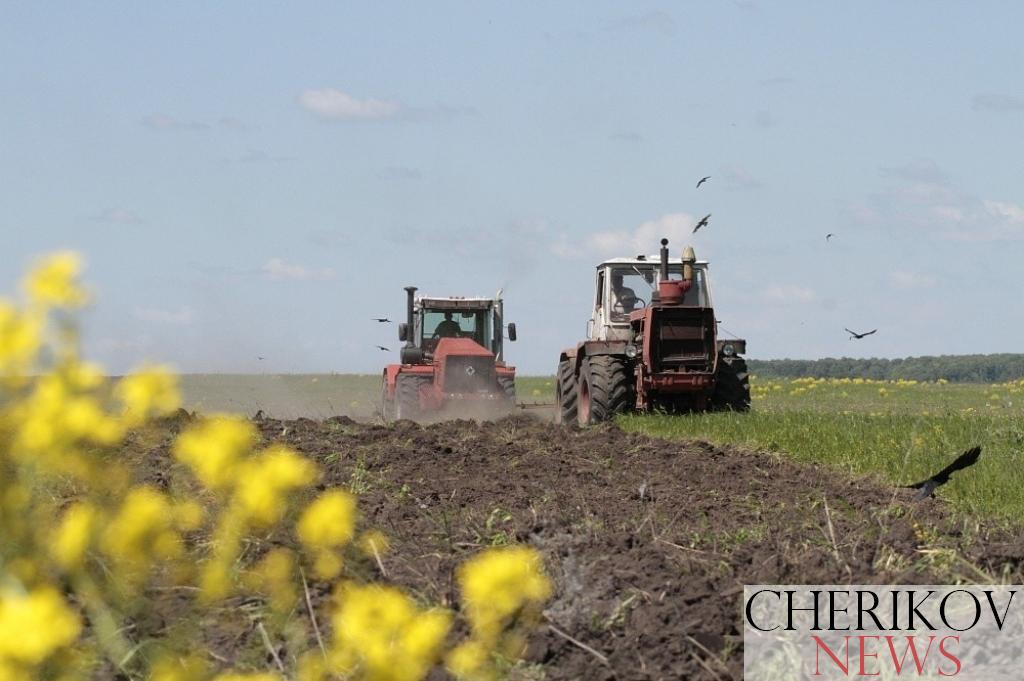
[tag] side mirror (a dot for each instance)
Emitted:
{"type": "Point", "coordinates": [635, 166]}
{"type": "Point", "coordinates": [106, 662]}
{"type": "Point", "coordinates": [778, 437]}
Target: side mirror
{"type": "Point", "coordinates": [403, 332]}
{"type": "Point", "coordinates": [512, 331]}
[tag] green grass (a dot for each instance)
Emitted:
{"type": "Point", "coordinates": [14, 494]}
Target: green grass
{"type": "Point", "coordinates": [902, 432]}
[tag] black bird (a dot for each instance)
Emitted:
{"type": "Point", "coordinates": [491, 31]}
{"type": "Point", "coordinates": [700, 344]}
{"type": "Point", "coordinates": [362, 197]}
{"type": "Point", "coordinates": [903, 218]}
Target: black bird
{"type": "Point", "coordinates": [703, 223]}
{"type": "Point", "coordinates": [260, 358]}
{"type": "Point", "coordinates": [703, 180]}
{"type": "Point", "coordinates": [858, 336]}
{"type": "Point", "coordinates": [829, 236]}
{"type": "Point", "coordinates": [382, 320]}
{"type": "Point", "coordinates": [382, 348]}
{"type": "Point", "coordinates": [926, 488]}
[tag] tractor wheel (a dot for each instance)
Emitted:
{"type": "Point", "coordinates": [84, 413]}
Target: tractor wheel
{"type": "Point", "coordinates": [387, 403]}
{"type": "Point", "coordinates": [407, 392]}
{"type": "Point", "coordinates": [565, 394]}
{"type": "Point", "coordinates": [732, 386]}
{"type": "Point", "coordinates": [508, 386]}
{"type": "Point", "coordinates": [606, 388]}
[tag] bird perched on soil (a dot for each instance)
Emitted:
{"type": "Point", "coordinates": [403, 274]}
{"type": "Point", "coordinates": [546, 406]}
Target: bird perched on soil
{"type": "Point", "coordinates": [703, 180]}
{"type": "Point", "coordinates": [858, 336]}
{"type": "Point", "coordinates": [926, 488]}
{"type": "Point", "coordinates": [703, 223]}
{"type": "Point", "coordinates": [383, 349]}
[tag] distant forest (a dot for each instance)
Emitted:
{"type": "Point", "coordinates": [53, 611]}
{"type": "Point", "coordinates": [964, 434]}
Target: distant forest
{"type": "Point", "coordinates": [953, 368]}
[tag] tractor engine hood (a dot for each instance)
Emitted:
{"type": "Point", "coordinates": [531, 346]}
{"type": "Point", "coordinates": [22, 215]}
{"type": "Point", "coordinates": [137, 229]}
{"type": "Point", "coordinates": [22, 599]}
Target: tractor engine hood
{"type": "Point", "coordinates": [463, 366]}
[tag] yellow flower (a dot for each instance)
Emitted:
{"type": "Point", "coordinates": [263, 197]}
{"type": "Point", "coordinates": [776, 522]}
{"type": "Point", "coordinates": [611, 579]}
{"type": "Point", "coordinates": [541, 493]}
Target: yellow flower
{"type": "Point", "coordinates": [499, 582]}
{"type": "Point", "coordinates": [381, 634]}
{"type": "Point", "coordinates": [53, 281]}
{"type": "Point", "coordinates": [265, 482]}
{"type": "Point", "coordinates": [328, 522]}
{"type": "Point", "coordinates": [274, 577]}
{"type": "Point", "coordinates": [214, 448]}
{"type": "Point", "coordinates": [374, 542]}
{"type": "Point", "coordinates": [35, 625]}
{"type": "Point", "coordinates": [470, 660]}
{"type": "Point", "coordinates": [143, 529]}
{"type": "Point", "coordinates": [150, 392]}
{"type": "Point", "coordinates": [19, 340]}
{"type": "Point", "coordinates": [73, 535]}
{"type": "Point", "coordinates": [247, 677]}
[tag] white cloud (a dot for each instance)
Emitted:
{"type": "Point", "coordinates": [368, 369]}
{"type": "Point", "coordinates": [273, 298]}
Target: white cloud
{"type": "Point", "coordinates": [904, 279]}
{"type": "Point", "coordinates": [156, 315]}
{"type": "Point", "coordinates": [335, 104]}
{"type": "Point", "coordinates": [277, 269]}
{"type": "Point", "coordinates": [676, 227]}
{"type": "Point", "coordinates": [785, 294]}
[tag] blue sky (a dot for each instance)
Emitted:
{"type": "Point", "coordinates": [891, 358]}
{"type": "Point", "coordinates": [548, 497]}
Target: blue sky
{"type": "Point", "coordinates": [260, 179]}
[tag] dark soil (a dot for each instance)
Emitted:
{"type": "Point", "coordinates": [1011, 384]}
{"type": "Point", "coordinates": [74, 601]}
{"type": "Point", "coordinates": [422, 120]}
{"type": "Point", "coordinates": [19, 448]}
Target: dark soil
{"type": "Point", "coordinates": [649, 542]}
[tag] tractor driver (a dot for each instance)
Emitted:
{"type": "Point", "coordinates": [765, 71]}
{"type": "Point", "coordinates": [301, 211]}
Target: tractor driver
{"type": "Point", "coordinates": [623, 298]}
{"type": "Point", "coordinates": [449, 328]}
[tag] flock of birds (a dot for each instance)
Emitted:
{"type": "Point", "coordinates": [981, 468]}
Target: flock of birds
{"type": "Point", "coordinates": [703, 222]}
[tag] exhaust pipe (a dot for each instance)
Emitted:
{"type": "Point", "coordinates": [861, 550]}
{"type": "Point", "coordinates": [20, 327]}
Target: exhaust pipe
{"type": "Point", "coordinates": [664, 259]}
{"type": "Point", "coordinates": [410, 301]}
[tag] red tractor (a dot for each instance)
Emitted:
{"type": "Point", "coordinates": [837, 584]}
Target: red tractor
{"type": "Point", "coordinates": [659, 353]}
{"type": "Point", "coordinates": [452, 356]}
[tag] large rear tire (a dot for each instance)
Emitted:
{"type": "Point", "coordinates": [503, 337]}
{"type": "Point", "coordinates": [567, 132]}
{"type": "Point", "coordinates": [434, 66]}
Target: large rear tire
{"type": "Point", "coordinates": [407, 393]}
{"type": "Point", "coordinates": [508, 386]}
{"type": "Point", "coordinates": [732, 386]}
{"type": "Point", "coordinates": [565, 393]}
{"type": "Point", "coordinates": [606, 388]}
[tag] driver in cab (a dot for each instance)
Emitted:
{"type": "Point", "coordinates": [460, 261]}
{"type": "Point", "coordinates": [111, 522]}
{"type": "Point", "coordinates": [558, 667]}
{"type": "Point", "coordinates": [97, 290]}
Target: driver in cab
{"type": "Point", "coordinates": [449, 328]}
{"type": "Point", "coordinates": [623, 298]}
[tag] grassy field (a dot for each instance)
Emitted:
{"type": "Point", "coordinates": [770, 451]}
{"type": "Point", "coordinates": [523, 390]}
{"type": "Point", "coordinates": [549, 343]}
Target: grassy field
{"type": "Point", "coordinates": [901, 431]}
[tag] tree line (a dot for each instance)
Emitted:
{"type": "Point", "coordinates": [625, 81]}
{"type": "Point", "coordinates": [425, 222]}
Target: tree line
{"type": "Point", "coordinates": [996, 368]}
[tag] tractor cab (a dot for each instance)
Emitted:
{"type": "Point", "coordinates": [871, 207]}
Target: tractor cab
{"type": "Point", "coordinates": [432, 319]}
{"type": "Point", "coordinates": [626, 285]}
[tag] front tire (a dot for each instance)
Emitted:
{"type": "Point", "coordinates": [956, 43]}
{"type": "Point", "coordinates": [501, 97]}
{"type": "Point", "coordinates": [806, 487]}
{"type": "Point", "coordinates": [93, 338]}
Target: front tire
{"type": "Point", "coordinates": [565, 393]}
{"type": "Point", "coordinates": [732, 386]}
{"type": "Point", "coordinates": [407, 392]}
{"type": "Point", "coordinates": [606, 388]}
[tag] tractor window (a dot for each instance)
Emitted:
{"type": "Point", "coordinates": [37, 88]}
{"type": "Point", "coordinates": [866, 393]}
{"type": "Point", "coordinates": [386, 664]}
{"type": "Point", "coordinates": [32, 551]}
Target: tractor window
{"type": "Point", "coordinates": [630, 289]}
{"type": "Point", "coordinates": [470, 324]}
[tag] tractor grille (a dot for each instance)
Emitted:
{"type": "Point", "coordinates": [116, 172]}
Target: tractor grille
{"type": "Point", "coordinates": [469, 374]}
{"type": "Point", "coordinates": [685, 339]}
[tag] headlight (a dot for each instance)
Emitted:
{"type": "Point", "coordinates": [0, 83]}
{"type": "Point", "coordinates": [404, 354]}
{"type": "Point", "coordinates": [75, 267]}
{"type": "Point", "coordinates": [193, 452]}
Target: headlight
{"type": "Point", "coordinates": [631, 351]}
{"type": "Point", "coordinates": [728, 350]}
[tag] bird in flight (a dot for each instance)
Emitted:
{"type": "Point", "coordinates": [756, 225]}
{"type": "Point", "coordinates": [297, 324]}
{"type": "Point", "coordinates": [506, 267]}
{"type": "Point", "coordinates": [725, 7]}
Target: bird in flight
{"type": "Point", "coordinates": [382, 320]}
{"type": "Point", "coordinates": [703, 223]}
{"type": "Point", "coordinates": [260, 358]}
{"type": "Point", "coordinates": [383, 349]}
{"type": "Point", "coordinates": [829, 236]}
{"type": "Point", "coordinates": [926, 488]}
{"type": "Point", "coordinates": [703, 180]}
{"type": "Point", "coordinates": [854, 334]}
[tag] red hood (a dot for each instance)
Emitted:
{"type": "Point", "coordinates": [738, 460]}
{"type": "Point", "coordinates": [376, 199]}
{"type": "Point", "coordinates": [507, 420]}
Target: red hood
{"type": "Point", "coordinates": [461, 347]}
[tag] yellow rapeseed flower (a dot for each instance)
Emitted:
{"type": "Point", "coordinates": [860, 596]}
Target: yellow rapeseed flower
{"type": "Point", "coordinates": [143, 529]}
{"type": "Point", "coordinates": [380, 634]}
{"type": "Point", "coordinates": [497, 583]}
{"type": "Point", "coordinates": [53, 282]}
{"type": "Point", "coordinates": [265, 482]}
{"type": "Point", "coordinates": [35, 625]}
{"type": "Point", "coordinates": [214, 448]}
{"type": "Point", "coordinates": [328, 522]}
{"type": "Point", "coordinates": [20, 340]}
{"type": "Point", "coordinates": [150, 392]}
{"type": "Point", "coordinates": [74, 533]}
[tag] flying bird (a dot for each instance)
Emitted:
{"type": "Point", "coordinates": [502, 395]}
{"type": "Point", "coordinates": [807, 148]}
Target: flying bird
{"type": "Point", "coordinates": [260, 358]}
{"type": "Point", "coordinates": [382, 320]}
{"type": "Point", "coordinates": [926, 488]}
{"type": "Point", "coordinates": [382, 348]}
{"type": "Point", "coordinates": [703, 223]}
{"type": "Point", "coordinates": [854, 334]}
{"type": "Point", "coordinates": [703, 180]}
{"type": "Point", "coordinates": [829, 236]}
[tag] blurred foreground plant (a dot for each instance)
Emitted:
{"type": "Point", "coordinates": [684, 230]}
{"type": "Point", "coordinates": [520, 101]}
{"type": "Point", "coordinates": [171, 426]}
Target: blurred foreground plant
{"type": "Point", "coordinates": [86, 541]}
